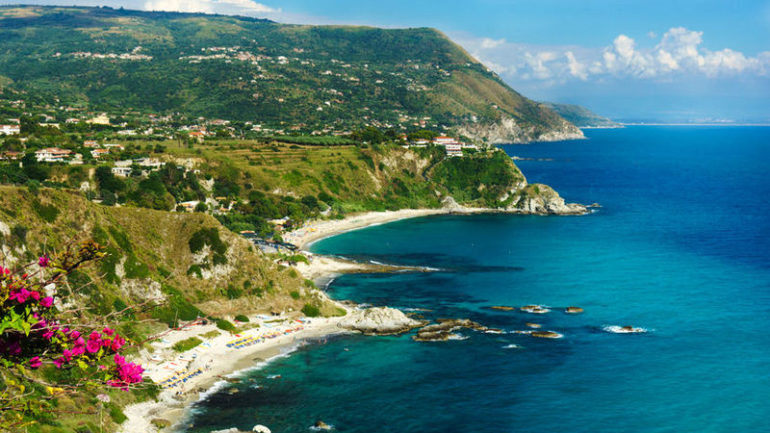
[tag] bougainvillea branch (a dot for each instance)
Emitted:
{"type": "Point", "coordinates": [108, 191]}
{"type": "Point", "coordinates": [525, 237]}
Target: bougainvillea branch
{"type": "Point", "coordinates": [33, 334]}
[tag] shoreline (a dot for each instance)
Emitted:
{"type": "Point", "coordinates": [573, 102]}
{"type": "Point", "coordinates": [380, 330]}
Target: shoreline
{"type": "Point", "coordinates": [214, 361]}
{"type": "Point", "coordinates": [173, 407]}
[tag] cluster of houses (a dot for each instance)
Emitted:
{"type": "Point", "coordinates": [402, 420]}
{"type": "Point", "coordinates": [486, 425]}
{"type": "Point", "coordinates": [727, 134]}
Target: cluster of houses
{"type": "Point", "coordinates": [452, 146]}
{"type": "Point", "coordinates": [10, 129]}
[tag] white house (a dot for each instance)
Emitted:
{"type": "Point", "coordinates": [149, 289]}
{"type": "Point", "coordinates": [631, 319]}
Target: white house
{"type": "Point", "coordinates": [454, 149]}
{"type": "Point", "coordinates": [10, 129]}
{"type": "Point", "coordinates": [121, 171]}
{"type": "Point", "coordinates": [52, 154]}
{"type": "Point", "coordinates": [98, 153]}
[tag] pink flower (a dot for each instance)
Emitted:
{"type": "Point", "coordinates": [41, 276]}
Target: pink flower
{"type": "Point", "coordinates": [58, 362]}
{"type": "Point", "coordinates": [46, 302]}
{"type": "Point", "coordinates": [119, 360]}
{"type": "Point", "coordinates": [67, 355]}
{"type": "Point", "coordinates": [35, 362]}
{"type": "Point", "coordinates": [75, 335]}
{"type": "Point", "coordinates": [117, 343]}
{"type": "Point", "coordinates": [80, 347]}
{"type": "Point", "coordinates": [93, 346]}
{"type": "Point", "coordinates": [21, 295]}
{"type": "Point", "coordinates": [108, 331]}
{"type": "Point", "coordinates": [43, 261]}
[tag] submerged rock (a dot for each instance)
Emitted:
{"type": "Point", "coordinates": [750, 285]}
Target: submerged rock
{"type": "Point", "coordinates": [545, 334]}
{"type": "Point", "coordinates": [502, 308]}
{"type": "Point", "coordinates": [444, 329]}
{"type": "Point", "coordinates": [379, 321]}
{"type": "Point", "coordinates": [573, 310]}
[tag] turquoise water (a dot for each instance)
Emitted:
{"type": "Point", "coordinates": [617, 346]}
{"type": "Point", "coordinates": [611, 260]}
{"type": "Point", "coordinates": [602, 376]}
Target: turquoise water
{"type": "Point", "coordinates": [680, 247]}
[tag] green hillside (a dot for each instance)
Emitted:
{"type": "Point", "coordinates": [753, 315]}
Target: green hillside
{"type": "Point", "coordinates": [132, 63]}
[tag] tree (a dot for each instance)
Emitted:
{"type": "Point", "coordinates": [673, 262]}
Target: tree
{"type": "Point", "coordinates": [33, 169]}
{"type": "Point", "coordinates": [107, 180]}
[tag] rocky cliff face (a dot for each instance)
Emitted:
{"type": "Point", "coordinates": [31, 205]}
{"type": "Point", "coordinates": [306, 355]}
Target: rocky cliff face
{"type": "Point", "coordinates": [539, 199]}
{"type": "Point", "coordinates": [379, 321]}
{"type": "Point", "coordinates": [508, 130]}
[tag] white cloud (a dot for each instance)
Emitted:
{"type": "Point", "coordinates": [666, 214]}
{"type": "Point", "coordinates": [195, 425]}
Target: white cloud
{"type": "Point", "coordinates": [678, 53]}
{"type": "Point", "coordinates": [576, 68]}
{"type": "Point", "coordinates": [488, 43]}
{"type": "Point", "coordinates": [210, 6]}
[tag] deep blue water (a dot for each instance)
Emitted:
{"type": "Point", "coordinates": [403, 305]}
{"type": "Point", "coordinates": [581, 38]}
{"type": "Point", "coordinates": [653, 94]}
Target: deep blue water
{"type": "Point", "coordinates": [680, 247]}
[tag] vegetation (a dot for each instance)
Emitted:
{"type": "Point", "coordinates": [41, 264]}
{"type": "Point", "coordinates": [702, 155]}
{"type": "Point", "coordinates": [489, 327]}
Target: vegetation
{"type": "Point", "coordinates": [187, 344]}
{"type": "Point", "coordinates": [244, 69]}
{"type": "Point", "coordinates": [226, 326]}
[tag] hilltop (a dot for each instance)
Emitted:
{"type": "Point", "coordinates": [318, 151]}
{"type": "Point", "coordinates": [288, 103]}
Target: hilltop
{"type": "Point", "coordinates": [131, 64]}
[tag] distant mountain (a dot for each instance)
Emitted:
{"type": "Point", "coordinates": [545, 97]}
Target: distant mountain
{"type": "Point", "coordinates": [247, 69]}
{"type": "Point", "coordinates": [582, 117]}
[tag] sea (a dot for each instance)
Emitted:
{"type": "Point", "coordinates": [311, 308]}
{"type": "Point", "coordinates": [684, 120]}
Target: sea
{"type": "Point", "coordinates": [679, 248]}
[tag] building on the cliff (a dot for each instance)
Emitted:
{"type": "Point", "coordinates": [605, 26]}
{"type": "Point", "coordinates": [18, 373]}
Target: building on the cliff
{"type": "Point", "coordinates": [10, 129]}
{"type": "Point", "coordinates": [52, 154]}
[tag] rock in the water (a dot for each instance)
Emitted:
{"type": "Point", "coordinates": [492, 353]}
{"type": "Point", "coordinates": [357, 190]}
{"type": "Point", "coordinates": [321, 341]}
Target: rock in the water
{"type": "Point", "coordinates": [545, 334]}
{"type": "Point", "coordinates": [322, 425]}
{"type": "Point", "coordinates": [444, 329]}
{"type": "Point", "coordinates": [533, 325]}
{"type": "Point", "coordinates": [624, 329]}
{"type": "Point", "coordinates": [573, 310]}
{"type": "Point", "coordinates": [535, 309]}
{"type": "Point", "coordinates": [379, 321]}
{"type": "Point", "coordinates": [502, 307]}
{"type": "Point", "coordinates": [259, 428]}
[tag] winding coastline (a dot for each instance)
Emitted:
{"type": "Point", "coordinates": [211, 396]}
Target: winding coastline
{"type": "Point", "coordinates": [172, 405]}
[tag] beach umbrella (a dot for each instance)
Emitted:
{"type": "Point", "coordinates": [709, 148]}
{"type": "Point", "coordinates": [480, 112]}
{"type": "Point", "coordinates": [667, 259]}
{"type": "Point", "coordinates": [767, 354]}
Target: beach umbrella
{"type": "Point", "coordinates": [261, 429]}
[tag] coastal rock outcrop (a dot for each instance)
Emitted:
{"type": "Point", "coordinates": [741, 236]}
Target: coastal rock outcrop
{"type": "Point", "coordinates": [444, 329]}
{"type": "Point", "coordinates": [573, 310]}
{"type": "Point", "coordinates": [541, 199]}
{"type": "Point", "coordinates": [379, 321]}
{"type": "Point", "coordinates": [508, 130]}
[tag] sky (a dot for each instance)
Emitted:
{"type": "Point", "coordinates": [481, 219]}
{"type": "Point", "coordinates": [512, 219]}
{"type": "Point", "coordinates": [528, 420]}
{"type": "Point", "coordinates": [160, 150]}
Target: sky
{"type": "Point", "coordinates": [673, 60]}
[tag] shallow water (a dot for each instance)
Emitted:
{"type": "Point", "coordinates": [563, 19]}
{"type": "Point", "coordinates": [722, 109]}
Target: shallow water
{"type": "Point", "coordinates": [679, 247]}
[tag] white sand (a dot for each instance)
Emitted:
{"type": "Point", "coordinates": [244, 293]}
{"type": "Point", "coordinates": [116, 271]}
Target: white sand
{"type": "Point", "coordinates": [214, 359]}
{"type": "Point", "coordinates": [314, 231]}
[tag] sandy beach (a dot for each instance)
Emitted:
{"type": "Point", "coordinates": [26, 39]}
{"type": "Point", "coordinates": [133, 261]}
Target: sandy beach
{"type": "Point", "coordinates": [185, 376]}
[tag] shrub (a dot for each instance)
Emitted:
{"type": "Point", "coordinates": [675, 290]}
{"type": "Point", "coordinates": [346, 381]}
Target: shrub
{"type": "Point", "coordinates": [177, 308]}
{"type": "Point", "coordinates": [195, 270]}
{"type": "Point", "coordinates": [294, 294]}
{"type": "Point", "coordinates": [241, 318]}
{"type": "Point", "coordinates": [226, 326]}
{"type": "Point", "coordinates": [311, 310]}
{"type": "Point", "coordinates": [136, 269]}
{"type": "Point", "coordinates": [48, 213]}
{"type": "Point", "coordinates": [186, 344]}
{"type": "Point", "coordinates": [233, 293]}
